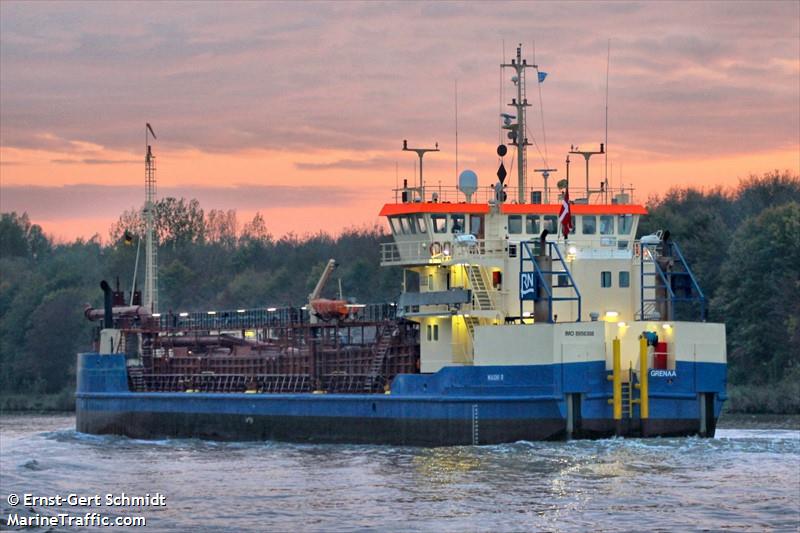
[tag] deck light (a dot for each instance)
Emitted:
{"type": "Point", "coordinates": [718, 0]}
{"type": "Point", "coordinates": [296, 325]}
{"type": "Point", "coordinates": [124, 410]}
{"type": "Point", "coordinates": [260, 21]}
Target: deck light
{"type": "Point", "coordinates": [611, 316]}
{"type": "Point", "coordinates": [622, 324]}
{"type": "Point", "coordinates": [667, 327]}
{"type": "Point", "coordinates": [272, 309]}
{"type": "Point", "coordinates": [240, 310]}
{"type": "Point", "coordinates": [184, 315]}
{"type": "Point", "coordinates": [156, 315]}
{"type": "Point", "coordinates": [212, 312]}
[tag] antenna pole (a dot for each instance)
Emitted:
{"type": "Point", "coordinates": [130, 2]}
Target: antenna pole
{"type": "Point", "coordinates": [151, 247]}
{"type": "Point", "coordinates": [456, 100]}
{"type": "Point", "coordinates": [608, 63]}
{"type": "Point", "coordinates": [517, 131]}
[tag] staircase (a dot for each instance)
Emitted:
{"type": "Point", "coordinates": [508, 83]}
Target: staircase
{"type": "Point", "coordinates": [675, 278]}
{"type": "Point", "coordinates": [471, 322]}
{"type": "Point", "coordinates": [380, 350]}
{"type": "Point", "coordinates": [136, 381]}
{"type": "Point", "coordinates": [481, 299]}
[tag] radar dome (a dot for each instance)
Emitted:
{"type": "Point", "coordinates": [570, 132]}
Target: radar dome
{"type": "Point", "coordinates": [468, 183]}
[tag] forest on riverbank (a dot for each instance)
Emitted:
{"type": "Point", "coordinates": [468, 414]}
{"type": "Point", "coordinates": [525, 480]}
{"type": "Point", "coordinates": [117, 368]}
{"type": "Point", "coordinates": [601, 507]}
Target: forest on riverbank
{"type": "Point", "coordinates": [743, 245]}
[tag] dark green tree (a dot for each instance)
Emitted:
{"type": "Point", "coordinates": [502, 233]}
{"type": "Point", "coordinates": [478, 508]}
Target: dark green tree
{"type": "Point", "coordinates": [759, 296]}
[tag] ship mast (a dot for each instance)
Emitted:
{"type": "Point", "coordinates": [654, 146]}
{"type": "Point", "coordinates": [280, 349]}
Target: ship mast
{"type": "Point", "coordinates": [517, 131]}
{"type": "Point", "coordinates": [151, 247]}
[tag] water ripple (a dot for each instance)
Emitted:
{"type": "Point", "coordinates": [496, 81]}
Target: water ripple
{"type": "Point", "coordinates": [743, 480]}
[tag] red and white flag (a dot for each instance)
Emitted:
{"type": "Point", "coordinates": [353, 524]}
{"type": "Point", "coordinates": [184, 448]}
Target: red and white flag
{"type": "Point", "coordinates": [565, 215]}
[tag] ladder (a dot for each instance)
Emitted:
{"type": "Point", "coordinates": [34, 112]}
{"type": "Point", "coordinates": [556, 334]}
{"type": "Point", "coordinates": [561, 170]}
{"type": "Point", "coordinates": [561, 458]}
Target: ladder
{"type": "Point", "coordinates": [481, 299]}
{"type": "Point", "coordinates": [380, 350]}
{"type": "Point", "coordinates": [522, 139]}
{"type": "Point", "coordinates": [627, 400]}
{"type": "Point", "coordinates": [136, 379]}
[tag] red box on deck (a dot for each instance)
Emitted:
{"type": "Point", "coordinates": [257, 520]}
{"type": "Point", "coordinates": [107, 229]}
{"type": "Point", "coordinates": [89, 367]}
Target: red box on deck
{"type": "Point", "coordinates": [660, 356]}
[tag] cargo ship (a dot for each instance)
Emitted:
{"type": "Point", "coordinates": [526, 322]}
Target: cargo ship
{"type": "Point", "coordinates": [525, 313]}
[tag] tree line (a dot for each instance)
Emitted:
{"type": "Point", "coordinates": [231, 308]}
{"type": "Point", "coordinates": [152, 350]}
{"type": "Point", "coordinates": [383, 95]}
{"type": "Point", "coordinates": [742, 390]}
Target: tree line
{"type": "Point", "coordinates": [743, 245]}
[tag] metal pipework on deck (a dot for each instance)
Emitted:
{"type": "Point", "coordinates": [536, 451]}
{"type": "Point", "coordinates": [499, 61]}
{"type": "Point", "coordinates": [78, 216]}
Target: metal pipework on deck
{"type": "Point", "coordinates": [616, 378]}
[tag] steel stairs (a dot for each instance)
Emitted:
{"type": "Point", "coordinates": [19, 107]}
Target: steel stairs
{"type": "Point", "coordinates": [675, 277]}
{"type": "Point", "coordinates": [481, 299]}
{"type": "Point", "coordinates": [380, 352]}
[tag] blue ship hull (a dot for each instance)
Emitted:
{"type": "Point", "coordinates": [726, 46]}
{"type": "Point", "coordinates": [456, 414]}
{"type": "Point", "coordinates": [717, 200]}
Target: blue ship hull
{"type": "Point", "coordinates": [455, 406]}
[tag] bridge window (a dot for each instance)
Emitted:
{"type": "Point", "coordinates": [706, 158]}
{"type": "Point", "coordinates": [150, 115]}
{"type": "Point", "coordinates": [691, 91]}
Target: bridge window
{"type": "Point", "coordinates": [624, 279]}
{"type": "Point", "coordinates": [606, 224]}
{"type": "Point", "coordinates": [423, 226]}
{"type": "Point", "coordinates": [404, 225]}
{"type": "Point", "coordinates": [439, 223]}
{"type": "Point", "coordinates": [550, 223]}
{"type": "Point", "coordinates": [475, 225]}
{"type": "Point", "coordinates": [395, 224]}
{"type": "Point", "coordinates": [515, 224]}
{"type": "Point", "coordinates": [624, 224]}
{"type": "Point", "coordinates": [532, 225]}
{"type": "Point", "coordinates": [412, 223]}
{"type": "Point", "coordinates": [457, 224]}
{"type": "Point", "coordinates": [589, 224]}
{"type": "Point", "coordinates": [605, 279]}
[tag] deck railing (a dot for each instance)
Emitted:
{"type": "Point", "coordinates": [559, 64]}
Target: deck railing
{"type": "Point", "coordinates": [436, 252]}
{"type": "Point", "coordinates": [450, 193]}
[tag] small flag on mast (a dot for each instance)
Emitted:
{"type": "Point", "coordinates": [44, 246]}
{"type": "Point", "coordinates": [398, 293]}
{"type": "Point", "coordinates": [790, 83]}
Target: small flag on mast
{"type": "Point", "coordinates": [565, 215]}
{"type": "Point", "coordinates": [542, 76]}
{"type": "Point", "coordinates": [149, 127]}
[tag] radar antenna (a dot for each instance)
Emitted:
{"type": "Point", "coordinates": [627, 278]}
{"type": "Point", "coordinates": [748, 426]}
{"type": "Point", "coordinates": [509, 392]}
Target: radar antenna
{"type": "Point", "coordinates": [546, 174]}
{"type": "Point", "coordinates": [420, 152]}
{"type": "Point", "coordinates": [586, 155]}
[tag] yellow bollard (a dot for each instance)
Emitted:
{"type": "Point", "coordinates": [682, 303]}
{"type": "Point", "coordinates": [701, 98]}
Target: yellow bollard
{"type": "Point", "coordinates": [616, 378]}
{"type": "Point", "coordinates": [644, 373]}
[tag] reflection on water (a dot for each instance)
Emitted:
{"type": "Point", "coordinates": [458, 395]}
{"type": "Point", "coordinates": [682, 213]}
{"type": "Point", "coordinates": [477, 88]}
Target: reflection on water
{"type": "Point", "coordinates": [741, 480]}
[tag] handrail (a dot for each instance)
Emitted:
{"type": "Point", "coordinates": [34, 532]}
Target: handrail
{"type": "Point", "coordinates": [651, 250]}
{"type": "Point", "coordinates": [451, 193]}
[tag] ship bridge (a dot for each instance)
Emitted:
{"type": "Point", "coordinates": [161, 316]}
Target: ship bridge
{"type": "Point", "coordinates": [464, 263]}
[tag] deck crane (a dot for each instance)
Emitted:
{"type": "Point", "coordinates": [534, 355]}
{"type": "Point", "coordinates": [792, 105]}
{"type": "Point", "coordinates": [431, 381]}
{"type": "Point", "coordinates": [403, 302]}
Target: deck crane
{"type": "Point", "coordinates": [322, 308]}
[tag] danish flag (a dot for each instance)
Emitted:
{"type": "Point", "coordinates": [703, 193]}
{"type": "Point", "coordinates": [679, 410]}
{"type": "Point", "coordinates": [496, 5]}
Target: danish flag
{"type": "Point", "coordinates": [565, 215]}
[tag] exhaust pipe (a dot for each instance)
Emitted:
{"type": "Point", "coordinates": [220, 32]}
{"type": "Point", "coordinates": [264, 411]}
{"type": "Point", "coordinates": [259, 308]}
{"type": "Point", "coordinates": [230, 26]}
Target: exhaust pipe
{"type": "Point", "coordinates": [108, 316]}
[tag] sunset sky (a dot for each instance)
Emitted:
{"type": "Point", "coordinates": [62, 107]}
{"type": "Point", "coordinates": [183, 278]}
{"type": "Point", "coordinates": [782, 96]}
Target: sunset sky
{"type": "Point", "coordinates": [298, 110]}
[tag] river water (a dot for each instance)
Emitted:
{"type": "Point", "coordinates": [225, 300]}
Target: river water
{"type": "Point", "coordinates": [743, 480]}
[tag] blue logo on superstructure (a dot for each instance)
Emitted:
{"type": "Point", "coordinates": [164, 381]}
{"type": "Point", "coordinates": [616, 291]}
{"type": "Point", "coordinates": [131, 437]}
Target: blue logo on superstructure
{"type": "Point", "coordinates": [528, 288]}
